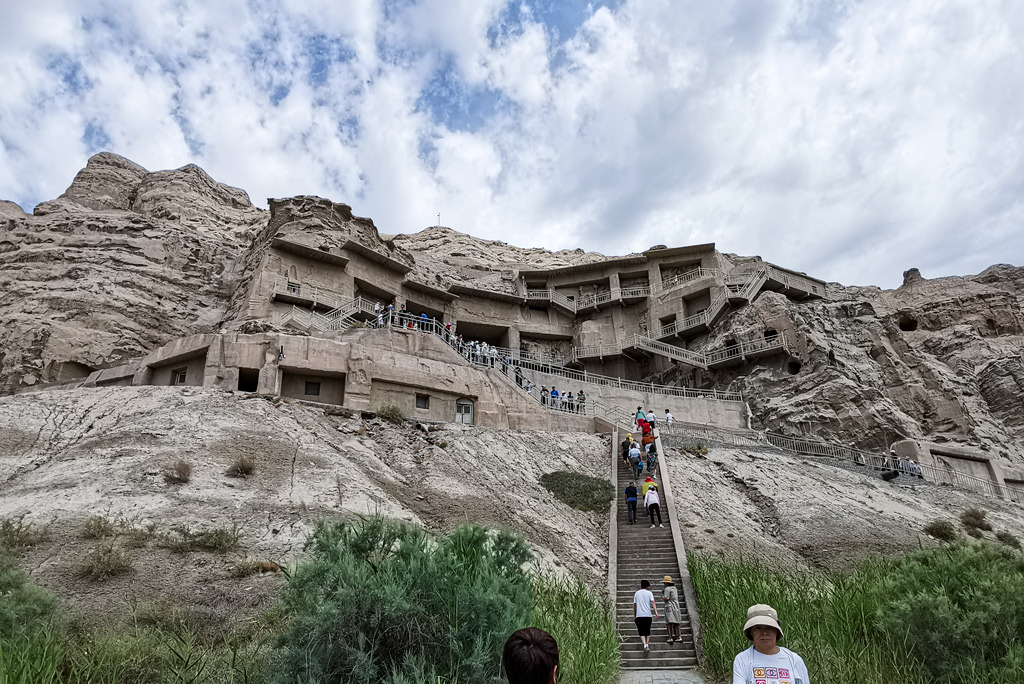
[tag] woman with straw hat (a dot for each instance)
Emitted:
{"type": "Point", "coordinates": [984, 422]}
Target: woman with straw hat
{"type": "Point", "coordinates": [673, 614]}
{"type": "Point", "coordinates": [765, 662]}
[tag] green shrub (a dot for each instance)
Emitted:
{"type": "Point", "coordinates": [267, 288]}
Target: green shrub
{"type": "Point", "coordinates": [23, 605]}
{"type": "Point", "coordinates": [584, 492]}
{"type": "Point", "coordinates": [104, 561]}
{"type": "Point", "coordinates": [98, 527]}
{"type": "Point", "coordinates": [391, 413]}
{"type": "Point", "coordinates": [1008, 539]}
{"type": "Point", "coordinates": [975, 532]}
{"type": "Point", "coordinates": [943, 530]}
{"type": "Point", "coordinates": [975, 518]}
{"type": "Point", "coordinates": [582, 624]}
{"type": "Point", "coordinates": [16, 534]}
{"type": "Point", "coordinates": [961, 611]}
{"type": "Point", "coordinates": [380, 601]}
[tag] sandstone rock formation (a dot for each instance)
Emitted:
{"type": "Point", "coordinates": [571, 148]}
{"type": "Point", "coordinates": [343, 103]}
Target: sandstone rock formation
{"type": "Point", "coordinates": [121, 262]}
{"type": "Point", "coordinates": [126, 260]}
{"type": "Point", "coordinates": [937, 359]}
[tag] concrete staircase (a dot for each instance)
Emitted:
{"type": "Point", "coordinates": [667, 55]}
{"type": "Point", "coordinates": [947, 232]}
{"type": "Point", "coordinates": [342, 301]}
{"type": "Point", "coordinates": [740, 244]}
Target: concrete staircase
{"type": "Point", "coordinates": [645, 553]}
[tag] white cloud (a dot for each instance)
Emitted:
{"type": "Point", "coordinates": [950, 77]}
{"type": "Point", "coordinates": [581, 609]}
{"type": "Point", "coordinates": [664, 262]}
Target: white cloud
{"type": "Point", "coordinates": [850, 140]}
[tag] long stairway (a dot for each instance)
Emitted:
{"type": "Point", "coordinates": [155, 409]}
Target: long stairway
{"type": "Point", "coordinates": [645, 553]}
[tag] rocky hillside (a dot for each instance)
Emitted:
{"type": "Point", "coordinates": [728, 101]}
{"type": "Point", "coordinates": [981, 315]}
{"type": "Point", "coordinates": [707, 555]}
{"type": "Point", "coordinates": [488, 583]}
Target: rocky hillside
{"type": "Point", "coordinates": [70, 455]}
{"type": "Point", "coordinates": [122, 262]}
{"type": "Point", "coordinates": [934, 359]}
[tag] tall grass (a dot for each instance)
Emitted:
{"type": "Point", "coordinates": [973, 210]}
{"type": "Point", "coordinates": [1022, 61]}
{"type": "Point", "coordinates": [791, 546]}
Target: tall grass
{"type": "Point", "coordinates": [582, 624]}
{"type": "Point", "coordinates": [945, 615]}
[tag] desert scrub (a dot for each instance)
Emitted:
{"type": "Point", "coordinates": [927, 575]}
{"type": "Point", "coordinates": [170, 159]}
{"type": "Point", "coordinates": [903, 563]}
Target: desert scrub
{"type": "Point", "coordinates": [178, 472]}
{"type": "Point", "coordinates": [98, 527]}
{"type": "Point", "coordinates": [582, 624]}
{"type": "Point", "coordinates": [182, 539]}
{"type": "Point", "coordinates": [583, 492]}
{"type": "Point", "coordinates": [951, 614]}
{"type": "Point", "coordinates": [943, 530]}
{"type": "Point", "coordinates": [391, 413]}
{"type": "Point", "coordinates": [1008, 539]}
{"type": "Point", "coordinates": [242, 467]}
{"type": "Point", "coordinates": [974, 518]}
{"type": "Point", "coordinates": [104, 561]}
{"type": "Point", "coordinates": [17, 535]}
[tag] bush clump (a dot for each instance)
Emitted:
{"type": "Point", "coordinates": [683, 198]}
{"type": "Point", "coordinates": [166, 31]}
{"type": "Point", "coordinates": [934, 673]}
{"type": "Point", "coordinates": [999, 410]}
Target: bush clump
{"type": "Point", "coordinates": [583, 492]}
{"type": "Point", "coordinates": [242, 467]}
{"type": "Point", "coordinates": [178, 472]}
{"type": "Point", "coordinates": [22, 604]}
{"type": "Point", "coordinates": [943, 530]}
{"type": "Point", "coordinates": [17, 535]}
{"type": "Point", "coordinates": [379, 601]}
{"type": "Point", "coordinates": [391, 413]}
{"type": "Point", "coordinates": [105, 561]}
{"type": "Point", "coordinates": [1008, 539]}
{"type": "Point", "coordinates": [974, 518]}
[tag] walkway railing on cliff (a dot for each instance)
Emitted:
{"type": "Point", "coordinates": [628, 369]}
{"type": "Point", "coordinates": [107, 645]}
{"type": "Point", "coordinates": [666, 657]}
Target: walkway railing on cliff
{"type": "Point", "coordinates": [818, 449]}
{"type": "Point", "coordinates": [552, 364]}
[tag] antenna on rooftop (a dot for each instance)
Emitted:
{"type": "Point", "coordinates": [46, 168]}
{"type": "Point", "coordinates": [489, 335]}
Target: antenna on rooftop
{"type": "Point", "coordinates": [438, 219]}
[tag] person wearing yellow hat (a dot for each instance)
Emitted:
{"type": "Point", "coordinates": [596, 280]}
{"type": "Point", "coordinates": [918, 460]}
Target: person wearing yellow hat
{"type": "Point", "coordinates": [765, 662]}
{"type": "Point", "coordinates": [673, 614]}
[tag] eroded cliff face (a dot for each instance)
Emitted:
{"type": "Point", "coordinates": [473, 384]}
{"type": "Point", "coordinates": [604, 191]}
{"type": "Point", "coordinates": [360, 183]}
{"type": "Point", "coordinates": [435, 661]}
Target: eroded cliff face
{"type": "Point", "coordinates": [126, 260]}
{"type": "Point", "coordinates": [935, 359]}
{"type": "Point", "coordinates": [122, 262]}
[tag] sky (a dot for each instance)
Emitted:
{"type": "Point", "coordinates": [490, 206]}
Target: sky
{"type": "Point", "coordinates": [848, 139]}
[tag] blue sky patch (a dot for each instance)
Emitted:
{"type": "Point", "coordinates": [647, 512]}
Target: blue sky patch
{"type": "Point", "coordinates": [96, 138]}
{"type": "Point", "coordinates": [322, 52]}
{"type": "Point", "coordinates": [460, 107]}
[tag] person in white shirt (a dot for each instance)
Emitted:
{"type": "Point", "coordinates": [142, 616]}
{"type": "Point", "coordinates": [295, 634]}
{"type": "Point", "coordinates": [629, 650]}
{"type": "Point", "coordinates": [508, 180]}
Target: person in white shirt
{"type": "Point", "coordinates": [650, 418]}
{"type": "Point", "coordinates": [652, 502]}
{"type": "Point", "coordinates": [765, 661]}
{"type": "Point", "coordinates": [668, 420]}
{"type": "Point", "coordinates": [644, 612]}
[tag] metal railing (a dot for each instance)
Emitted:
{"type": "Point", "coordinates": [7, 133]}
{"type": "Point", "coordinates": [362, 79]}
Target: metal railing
{"type": "Point", "coordinates": [596, 350]}
{"type": "Point", "coordinates": [630, 385]}
{"type": "Point", "coordinates": [685, 355]}
{"type": "Point", "coordinates": [819, 449]}
{"type": "Point", "coordinates": [683, 278]}
{"type": "Point", "coordinates": [742, 349]}
{"type": "Point", "coordinates": [313, 293]}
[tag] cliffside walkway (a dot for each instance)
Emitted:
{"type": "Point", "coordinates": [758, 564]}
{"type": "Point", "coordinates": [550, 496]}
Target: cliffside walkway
{"type": "Point", "coordinates": [864, 462]}
{"type": "Point", "coordinates": [345, 312]}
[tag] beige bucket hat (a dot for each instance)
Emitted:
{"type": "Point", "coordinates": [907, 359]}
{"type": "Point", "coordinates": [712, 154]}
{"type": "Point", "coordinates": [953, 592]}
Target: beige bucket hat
{"type": "Point", "coordinates": [667, 580]}
{"type": "Point", "coordinates": [762, 614]}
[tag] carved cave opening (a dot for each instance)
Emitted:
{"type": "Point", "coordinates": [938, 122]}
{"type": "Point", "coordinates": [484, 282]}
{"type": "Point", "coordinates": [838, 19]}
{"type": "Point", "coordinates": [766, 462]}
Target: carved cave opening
{"type": "Point", "coordinates": [907, 324]}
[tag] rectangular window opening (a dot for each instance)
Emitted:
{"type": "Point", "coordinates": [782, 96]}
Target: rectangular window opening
{"type": "Point", "coordinates": [312, 389]}
{"type": "Point", "coordinates": [179, 376]}
{"type": "Point", "coordinates": [422, 401]}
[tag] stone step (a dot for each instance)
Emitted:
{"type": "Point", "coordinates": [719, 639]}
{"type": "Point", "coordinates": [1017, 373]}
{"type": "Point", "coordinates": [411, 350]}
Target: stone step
{"type": "Point", "coordinates": [650, 661]}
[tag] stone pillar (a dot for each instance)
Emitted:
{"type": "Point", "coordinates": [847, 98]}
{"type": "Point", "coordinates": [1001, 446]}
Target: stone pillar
{"type": "Point", "coordinates": [512, 339]}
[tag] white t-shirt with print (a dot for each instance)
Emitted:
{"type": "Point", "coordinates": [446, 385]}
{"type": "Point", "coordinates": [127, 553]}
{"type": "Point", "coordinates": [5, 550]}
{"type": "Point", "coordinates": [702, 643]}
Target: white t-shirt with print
{"type": "Point", "coordinates": [643, 599]}
{"type": "Point", "coordinates": [753, 667]}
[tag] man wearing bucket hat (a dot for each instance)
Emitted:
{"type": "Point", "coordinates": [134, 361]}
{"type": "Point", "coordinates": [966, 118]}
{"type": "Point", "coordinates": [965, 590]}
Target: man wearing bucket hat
{"type": "Point", "coordinates": [765, 662]}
